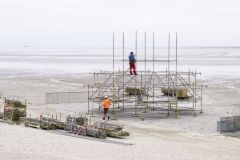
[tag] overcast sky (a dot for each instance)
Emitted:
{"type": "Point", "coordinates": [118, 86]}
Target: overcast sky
{"type": "Point", "coordinates": [87, 23]}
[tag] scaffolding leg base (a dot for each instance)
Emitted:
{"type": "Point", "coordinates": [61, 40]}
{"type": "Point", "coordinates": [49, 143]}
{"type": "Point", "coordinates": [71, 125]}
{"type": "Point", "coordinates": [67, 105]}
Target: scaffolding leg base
{"type": "Point", "coordinates": [195, 114]}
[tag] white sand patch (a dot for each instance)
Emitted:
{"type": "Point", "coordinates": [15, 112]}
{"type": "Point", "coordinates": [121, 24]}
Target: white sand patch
{"type": "Point", "coordinates": [25, 143]}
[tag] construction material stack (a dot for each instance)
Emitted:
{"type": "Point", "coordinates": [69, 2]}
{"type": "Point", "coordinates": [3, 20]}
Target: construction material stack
{"type": "Point", "coordinates": [13, 110]}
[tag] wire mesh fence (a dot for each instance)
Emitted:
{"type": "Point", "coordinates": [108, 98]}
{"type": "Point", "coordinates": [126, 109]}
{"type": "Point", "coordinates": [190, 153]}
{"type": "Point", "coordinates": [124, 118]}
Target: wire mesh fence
{"type": "Point", "coordinates": [66, 97]}
{"type": "Point", "coordinates": [228, 124]}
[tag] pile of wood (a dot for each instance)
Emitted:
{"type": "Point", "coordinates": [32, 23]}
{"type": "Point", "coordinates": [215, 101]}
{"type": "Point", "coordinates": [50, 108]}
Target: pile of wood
{"type": "Point", "coordinates": [134, 91]}
{"type": "Point", "coordinates": [81, 121]}
{"type": "Point", "coordinates": [13, 110]}
{"type": "Point", "coordinates": [112, 130]}
{"type": "Point", "coordinates": [43, 123]}
{"type": "Point", "coordinates": [50, 124]}
{"type": "Point", "coordinates": [30, 122]}
{"type": "Point", "coordinates": [182, 93]}
{"type": "Point", "coordinates": [88, 131]}
{"type": "Point", "coordinates": [77, 126]}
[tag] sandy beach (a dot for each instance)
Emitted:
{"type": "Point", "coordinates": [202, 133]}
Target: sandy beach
{"type": "Point", "coordinates": [184, 138]}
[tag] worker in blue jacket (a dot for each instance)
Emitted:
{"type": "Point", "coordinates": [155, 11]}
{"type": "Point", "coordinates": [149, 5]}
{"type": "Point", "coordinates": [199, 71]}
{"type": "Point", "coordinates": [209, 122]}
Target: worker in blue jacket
{"type": "Point", "coordinates": [132, 62]}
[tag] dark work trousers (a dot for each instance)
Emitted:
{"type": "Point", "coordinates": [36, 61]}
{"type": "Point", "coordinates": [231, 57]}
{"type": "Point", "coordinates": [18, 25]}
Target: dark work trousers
{"type": "Point", "coordinates": [105, 111]}
{"type": "Point", "coordinates": [132, 67]}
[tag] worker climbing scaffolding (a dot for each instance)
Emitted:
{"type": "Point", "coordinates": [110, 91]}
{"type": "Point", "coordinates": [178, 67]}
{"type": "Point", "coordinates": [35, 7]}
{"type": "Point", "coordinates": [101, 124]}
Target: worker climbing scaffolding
{"type": "Point", "coordinates": [132, 62]}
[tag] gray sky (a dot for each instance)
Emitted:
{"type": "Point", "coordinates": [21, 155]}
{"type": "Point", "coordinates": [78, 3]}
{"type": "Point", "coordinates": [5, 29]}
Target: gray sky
{"type": "Point", "coordinates": [91, 22]}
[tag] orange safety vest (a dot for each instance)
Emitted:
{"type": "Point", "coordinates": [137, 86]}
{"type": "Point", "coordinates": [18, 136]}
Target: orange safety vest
{"type": "Point", "coordinates": [106, 103]}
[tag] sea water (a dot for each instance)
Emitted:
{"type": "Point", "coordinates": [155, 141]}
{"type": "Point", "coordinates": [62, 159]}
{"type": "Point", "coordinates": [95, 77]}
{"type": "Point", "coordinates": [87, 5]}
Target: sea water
{"type": "Point", "coordinates": [28, 60]}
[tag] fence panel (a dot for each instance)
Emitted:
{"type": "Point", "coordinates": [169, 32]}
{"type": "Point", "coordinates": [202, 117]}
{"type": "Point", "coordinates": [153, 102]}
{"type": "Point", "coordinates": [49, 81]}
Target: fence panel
{"type": "Point", "coordinates": [66, 97]}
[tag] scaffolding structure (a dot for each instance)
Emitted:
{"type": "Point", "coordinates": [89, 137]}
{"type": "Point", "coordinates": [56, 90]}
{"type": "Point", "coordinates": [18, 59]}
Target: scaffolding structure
{"type": "Point", "coordinates": [168, 91]}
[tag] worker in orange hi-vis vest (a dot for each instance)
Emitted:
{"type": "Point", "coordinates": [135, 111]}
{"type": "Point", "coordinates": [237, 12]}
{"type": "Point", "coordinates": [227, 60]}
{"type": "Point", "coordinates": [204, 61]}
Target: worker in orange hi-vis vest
{"type": "Point", "coordinates": [106, 104]}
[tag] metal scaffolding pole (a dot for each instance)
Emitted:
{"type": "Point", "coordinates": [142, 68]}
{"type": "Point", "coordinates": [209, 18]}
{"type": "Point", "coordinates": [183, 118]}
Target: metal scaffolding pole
{"type": "Point", "coordinates": [136, 43]}
{"type": "Point", "coordinates": [195, 92]}
{"type": "Point", "coordinates": [201, 111]}
{"type": "Point", "coordinates": [176, 78]}
{"type": "Point", "coordinates": [92, 103]}
{"type": "Point", "coordinates": [145, 56]}
{"type": "Point", "coordinates": [153, 49]}
{"type": "Point", "coordinates": [123, 68]}
{"type": "Point", "coordinates": [135, 78]}
{"type": "Point", "coordinates": [168, 73]}
{"type": "Point", "coordinates": [113, 73]}
{"type": "Point", "coordinates": [94, 77]}
{"type": "Point", "coordinates": [88, 100]}
{"type": "Point", "coordinates": [145, 62]}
